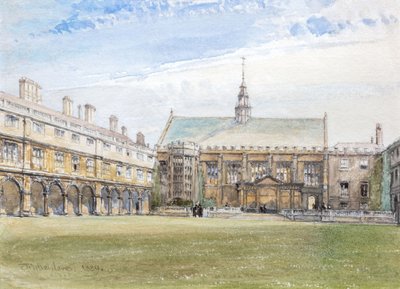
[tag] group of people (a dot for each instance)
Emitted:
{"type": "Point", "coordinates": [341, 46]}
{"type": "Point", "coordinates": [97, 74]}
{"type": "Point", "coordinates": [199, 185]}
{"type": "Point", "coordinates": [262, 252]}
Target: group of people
{"type": "Point", "coordinates": [321, 208]}
{"type": "Point", "coordinates": [197, 210]}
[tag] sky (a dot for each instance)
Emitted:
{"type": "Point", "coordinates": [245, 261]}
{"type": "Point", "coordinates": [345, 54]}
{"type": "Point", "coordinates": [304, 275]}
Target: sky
{"type": "Point", "coordinates": [139, 59]}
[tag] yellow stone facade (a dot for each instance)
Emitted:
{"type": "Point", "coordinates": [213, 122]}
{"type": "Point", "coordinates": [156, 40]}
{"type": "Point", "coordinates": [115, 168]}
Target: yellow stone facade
{"type": "Point", "coordinates": [57, 163]}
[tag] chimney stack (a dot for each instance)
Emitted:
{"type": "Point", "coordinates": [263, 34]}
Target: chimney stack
{"type": "Point", "coordinates": [379, 134]}
{"type": "Point", "coordinates": [113, 123]}
{"type": "Point", "coordinates": [30, 90]}
{"type": "Point", "coordinates": [140, 139]}
{"type": "Point", "coordinates": [89, 113]}
{"type": "Point", "coordinates": [67, 106]}
{"type": "Point", "coordinates": [124, 130]}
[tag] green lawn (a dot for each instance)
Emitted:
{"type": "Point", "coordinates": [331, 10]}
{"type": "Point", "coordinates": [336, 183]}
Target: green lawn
{"type": "Point", "coordinates": [162, 252]}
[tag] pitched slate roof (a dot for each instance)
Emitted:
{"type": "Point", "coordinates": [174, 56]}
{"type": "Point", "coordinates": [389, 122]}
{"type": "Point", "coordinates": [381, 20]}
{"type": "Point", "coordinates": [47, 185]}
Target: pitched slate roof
{"type": "Point", "coordinates": [224, 131]}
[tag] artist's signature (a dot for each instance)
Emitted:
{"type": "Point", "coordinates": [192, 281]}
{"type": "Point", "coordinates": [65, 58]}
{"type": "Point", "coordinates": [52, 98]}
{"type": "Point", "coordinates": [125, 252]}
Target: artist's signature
{"type": "Point", "coordinates": [54, 267]}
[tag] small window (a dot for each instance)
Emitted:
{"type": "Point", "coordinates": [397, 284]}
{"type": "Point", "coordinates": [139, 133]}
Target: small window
{"type": "Point", "coordinates": [11, 121]}
{"type": "Point", "coordinates": [37, 157]}
{"type": "Point", "coordinates": [59, 132]}
{"type": "Point", "coordinates": [364, 190]}
{"type": "Point", "coordinates": [118, 149]}
{"type": "Point", "coordinates": [343, 205]}
{"type": "Point", "coordinates": [364, 164]}
{"type": "Point", "coordinates": [139, 174]}
{"type": "Point", "coordinates": [128, 153]}
{"type": "Point", "coordinates": [75, 163]}
{"type": "Point", "coordinates": [344, 163]}
{"type": "Point", "coordinates": [89, 165]}
{"type": "Point", "coordinates": [106, 168]}
{"type": "Point", "coordinates": [150, 158]}
{"type": "Point", "coordinates": [89, 141]}
{"type": "Point", "coordinates": [106, 146]}
{"type": "Point", "coordinates": [149, 176]}
{"type": "Point", "coordinates": [59, 159]}
{"type": "Point", "coordinates": [128, 173]}
{"type": "Point", "coordinates": [75, 137]}
{"type": "Point", "coordinates": [38, 127]}
{"type": "Point", "coordinates": [119, 170]}
{"type": "Point", "coordinates": [344, 189]}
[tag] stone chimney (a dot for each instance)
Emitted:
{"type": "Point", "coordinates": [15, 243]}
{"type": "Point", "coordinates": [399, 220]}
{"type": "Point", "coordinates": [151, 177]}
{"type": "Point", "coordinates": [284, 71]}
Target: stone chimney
{"type": "Point", "coordinates": [379, 134]}
{"type": "Point", "coordinates": [124, 130]}
{"type": "Point", "coordinates": [30, 90]}
{"type": "Point", "coordinates": [113, 123]}
{"type": "Point", "coordinates": [67, 106]}
{"type": "Point", "coordinates": [89, 113]}
{"type": "Point", "coordinates": [140, 139]}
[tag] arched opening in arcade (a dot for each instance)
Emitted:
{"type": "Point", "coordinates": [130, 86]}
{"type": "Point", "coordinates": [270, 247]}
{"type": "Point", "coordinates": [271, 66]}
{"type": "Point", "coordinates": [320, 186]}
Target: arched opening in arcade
{"type": "Point", "coordinates": [10, 197]}
{"type": "Point", "coordinates": [73, 200]}
{"type": "Point", "coordinates": [56, 199]}
{"type": "Point", "coordinates": [38, 194]}
{"type": "Point", "coordinates": [88, 201]}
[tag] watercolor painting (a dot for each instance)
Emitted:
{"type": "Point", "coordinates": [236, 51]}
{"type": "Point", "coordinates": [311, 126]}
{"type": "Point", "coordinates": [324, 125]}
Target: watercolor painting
{"type": "Point", "coordinates": [199, 144]}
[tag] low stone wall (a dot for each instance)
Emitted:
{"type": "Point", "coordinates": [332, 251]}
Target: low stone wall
{"type": "Point", "coordinates": [339, 216]}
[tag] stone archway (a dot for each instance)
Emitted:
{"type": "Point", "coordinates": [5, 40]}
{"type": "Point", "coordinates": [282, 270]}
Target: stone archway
{"type": "Point", "coordinates": [38, 192]}
{"type": "Point", "coordinates": [88, 201]}
{"type": "Point", "coordinates": [115, 202]}
{"type": "Point", "coordinates": [56, 199]}
{"type": "Point", "coordinates": [146, 198]}
{"type": "Point", "coordinates": [135, 202]}
{"type": "Point", "coordinates": [105, 201]}
{"type": "Point", "coordinates": [73, 200]}
{"type": "Point", "coordinates": [10, 197]}
{"type": "Point", "coordinates": [311, 203]}
{"type": "Point", "coordinates": [126, 202]}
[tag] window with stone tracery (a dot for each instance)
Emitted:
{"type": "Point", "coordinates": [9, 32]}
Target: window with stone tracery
{"type": "Point", "coordinates": [233, 172]}
{"type": "Point", "coordinates": [89, 165]}
{"type": "Point", "coordinates": [259, 170]}
{"type": "Point", "coordinates": [283, 171]}
{"type": "Point", "coordinates": [59, 159]}
{"type": "Point", "coordinates": [10, 152]}
{"type": "Point", "coordinates": [312, 174]}
{"type": "Point", "coordinates": [212, 173]}
{"type": "Point", "coordinates": [37, 157]}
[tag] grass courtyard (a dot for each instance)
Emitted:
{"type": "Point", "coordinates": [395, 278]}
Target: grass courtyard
{"type": "Point", "coordinates": [162, 252]}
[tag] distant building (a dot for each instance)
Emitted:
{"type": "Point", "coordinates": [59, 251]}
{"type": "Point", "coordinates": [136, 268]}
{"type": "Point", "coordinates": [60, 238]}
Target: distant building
{"type": "Point", "coordinates": [58, 163]}
{"type": "Point", "coordinates": [392, 176]}
{"type": "Point", "coordinates": [355, 175]}
{"type": "Point", "coordinates": [244, 161]}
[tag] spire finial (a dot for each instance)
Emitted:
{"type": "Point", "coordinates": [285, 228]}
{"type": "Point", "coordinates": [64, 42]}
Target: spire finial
{"type": "Point", "coordinates": [243, 59]}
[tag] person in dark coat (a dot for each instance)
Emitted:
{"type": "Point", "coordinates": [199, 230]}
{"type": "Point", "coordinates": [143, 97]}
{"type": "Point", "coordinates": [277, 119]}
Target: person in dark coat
{"type": "Point", "coordinates": [200, 211]}
{"type": "Point", "coordinates": [194, 210]}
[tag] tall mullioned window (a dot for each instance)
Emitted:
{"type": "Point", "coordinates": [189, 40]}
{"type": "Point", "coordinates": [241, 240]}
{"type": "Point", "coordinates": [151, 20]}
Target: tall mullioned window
{"type": "Point", "coordinates": [312, 174]}
{"type": "Point", "coordinates": [106, 168]}
{"type": "Point", "coordinates": [59, 132]}
{"type": "Point", "coordinates": [212, 173]}
{"type": "Point", "coordinates": [364, 189]}
{"type": "Point", "coordinates": [10, 152]}
{"type": "Point", "coordinates": [119, 170]}
{"type": "Point", "coordinates": [11, 121]}
{"type": "Point", "coordinates": [283, 171]}
{"type": "Point", "coordinates": [59, 159]}
{"type": "Point", "coordinates": [149, 176]}
{"type": "Point", "coordinates": [38, 157]}
{"type": "Point", "coordinates": [233, 172]}
{"type": "Point", "coordinates": [344, 189]}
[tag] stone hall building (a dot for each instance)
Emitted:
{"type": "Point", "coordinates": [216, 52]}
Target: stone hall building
{"type": "Point", "coordinates": [279, 163]}
{"type": "Point", "coordinates": [57, 163]}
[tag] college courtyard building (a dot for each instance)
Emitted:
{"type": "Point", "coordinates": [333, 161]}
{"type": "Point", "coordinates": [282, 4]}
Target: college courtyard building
{"type": "Point", "coordinates": [270, 163]}
{"type": "Point", "coordinates": [54, 163]}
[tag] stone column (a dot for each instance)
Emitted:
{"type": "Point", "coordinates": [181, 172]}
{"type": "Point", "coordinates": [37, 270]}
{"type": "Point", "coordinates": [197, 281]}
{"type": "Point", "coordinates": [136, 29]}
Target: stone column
{"type": "Point", "coordinates": [244, 166]}
{"type": "Point", "coordinates": [25, 208]}
{"type": "Point", "coordinates": [45, 203]}
{"type": "Point", "coordinates": [79, 204]}
{"type": "Point", "coordinates": [65, 204]}
{"type": "Point", "coordinates": [294, 169]}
